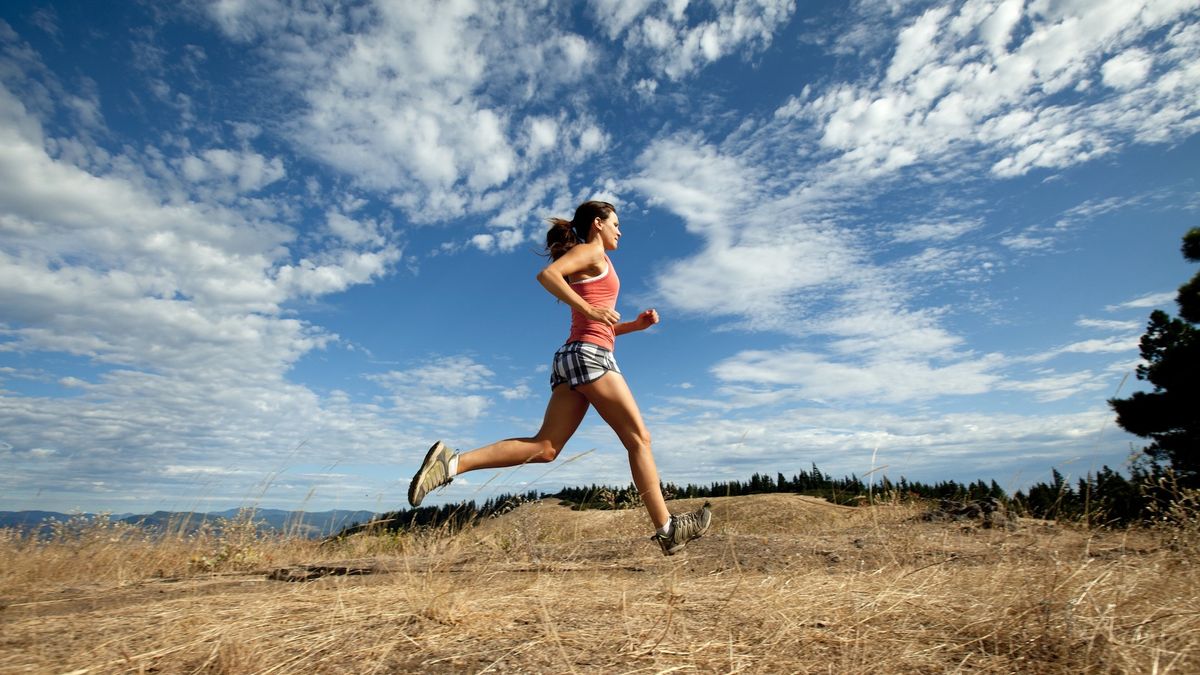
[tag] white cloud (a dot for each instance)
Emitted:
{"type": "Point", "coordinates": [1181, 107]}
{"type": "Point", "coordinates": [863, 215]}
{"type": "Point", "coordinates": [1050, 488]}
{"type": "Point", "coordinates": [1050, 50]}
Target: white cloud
{"type": "Point", "coordinates": [915, 44]}
{"type": "Point", "coordinates": [944, 265]}
{"type": "Point", "coordinates": [896, 380]}
{"type": "Point", "coordinates": [676, 47]}
{"type": "Point", "coordinates": [245, 171]}
{"type": "Point", "coordinates": [500, 240]}
{"type": "Point", "coordinates": [646, 87]}
{"type": "Point", "coordinates": [1028, 241]}
{"type": "Point", "coordinates": [170, 279]}
{"type": "Point", "coordinates": [1127, 69]}
{"type": "Point", "coordinates": [543, 134]}
{"type": "Point", "coordinates": [1112, 345]}
{"type": "Point", "coordinates": [1015, 449]}
{"type": "Point", "coordinates": [942, 94]}
{"type": "Point", "coordinates": [444, 392]}
{"type": "Point", "coordinates": [519, 392]}
{"type": "Point", "coordinates": [969, 89]}
{"type": "Point", "coordinates": [1148, 301]}
{"type": "Point", "coordinates": [167, 441]}
{"type": "Point", "coordinates": [935, 231]}
{"type": "Point", "coordinates": [591, 140]}
{"type": "Point", "coordinates": [613, 16]}
{"type": "Point", "coordinates": [697, 182]}
{"type": "Point", "coordinates": [334, 271]}
{"type": "Point", "coordinates": [423, 101]}
{"type": "Point", "coordinates": [1109, 325]}
{"type": "Point", "coordinates": [1051, 386]}
{"type": "Point", "coordinates": [572, 57]}
{"type": "Point", "coordinates": [47, 19]}
{"type": "Point", "coordinates": [242, 18]}
{"type": "Point", "coordinates": [483, 242]}
{"type": "Point", "coordinates": [352, 231]}
{"type": "Point", "coordinates": [996, 30]}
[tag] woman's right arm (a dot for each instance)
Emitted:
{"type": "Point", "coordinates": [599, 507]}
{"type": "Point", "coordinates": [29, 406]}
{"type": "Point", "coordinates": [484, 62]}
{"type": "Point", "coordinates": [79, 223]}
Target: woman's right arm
{"type": "Point", "coordinates": [553, 279]}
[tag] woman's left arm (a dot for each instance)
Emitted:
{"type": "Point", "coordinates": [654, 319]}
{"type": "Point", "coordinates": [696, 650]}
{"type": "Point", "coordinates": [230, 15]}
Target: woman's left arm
{"type": "Point", "coordinates": [645, 320]}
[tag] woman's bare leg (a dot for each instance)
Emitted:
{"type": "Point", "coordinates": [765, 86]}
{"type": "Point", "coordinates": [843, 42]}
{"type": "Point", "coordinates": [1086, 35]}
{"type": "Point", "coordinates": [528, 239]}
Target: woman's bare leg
{"type": "Point", "coordinates": [611, 397]}
{"type": "Point", "coordinates": [563, 415]}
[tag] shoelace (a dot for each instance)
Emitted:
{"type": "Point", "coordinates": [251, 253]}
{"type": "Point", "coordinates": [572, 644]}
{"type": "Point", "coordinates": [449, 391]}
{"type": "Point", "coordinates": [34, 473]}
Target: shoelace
{"type": "Point", "coordinates": [687, 520]}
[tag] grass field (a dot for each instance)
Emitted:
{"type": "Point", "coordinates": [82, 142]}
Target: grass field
{"type": "Point", "coordinates": [782, 583]}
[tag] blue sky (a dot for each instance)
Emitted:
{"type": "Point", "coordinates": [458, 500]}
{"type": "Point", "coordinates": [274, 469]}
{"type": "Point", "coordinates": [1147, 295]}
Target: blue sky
{"type": "Point", "coordinates": [257, 251]}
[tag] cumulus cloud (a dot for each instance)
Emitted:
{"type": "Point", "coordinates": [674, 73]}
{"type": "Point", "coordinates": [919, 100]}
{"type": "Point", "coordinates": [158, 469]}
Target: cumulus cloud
{"type": "Point", "coordinates": [941, 92]}
{"type": "Point", "coordinates": [843, 439]}
{"type": "Point", "coordinates": [234, 172]}
{"type": "Point", "coordinates": [748, 265]}
{"type": "Point", "coordinates": [442, 393]}
{"type": "Point", "coordinates": [191, 273]}
{"type": "Point", "coordinates": [355, 231]}
{"type": "Point", "coordinates": [170, 276]}
{"type": "Point", "coordinates": [675, 46]}
{"type": "Point", "coordinates": [422, 101]}
{"type": "Point", "coordinates": [966, 90]}
{"type": "Point", "coordinates": [1127, 69]}
{"type": "Point", "coordinates": [136, 438]}
{"type": "Point", "coordinates": [884, 381]}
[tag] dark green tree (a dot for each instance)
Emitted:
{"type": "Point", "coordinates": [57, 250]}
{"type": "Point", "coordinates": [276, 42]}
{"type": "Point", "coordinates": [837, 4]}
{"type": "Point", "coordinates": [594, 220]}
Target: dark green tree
{"type": "Point", "coordinates": [1170, 414]}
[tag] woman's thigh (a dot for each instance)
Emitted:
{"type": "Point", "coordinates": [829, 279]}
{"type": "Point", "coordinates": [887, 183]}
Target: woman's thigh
{"type": "Point", "coordinates": [612, 399]}
{"type": "Point", "coordinates": [564, 413]}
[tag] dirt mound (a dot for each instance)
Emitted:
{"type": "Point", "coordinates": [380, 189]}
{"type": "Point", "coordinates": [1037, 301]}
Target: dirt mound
{"type": "Point", "coordinates": [988, 513]}
{"type": "Point", "coordinates": [552, 520]}
{"type": "Point", "coordinates": [770, 531]}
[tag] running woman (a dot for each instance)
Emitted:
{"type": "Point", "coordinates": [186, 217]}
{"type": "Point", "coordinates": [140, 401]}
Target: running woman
{"type": "Point", "coordinates": [584, 373]}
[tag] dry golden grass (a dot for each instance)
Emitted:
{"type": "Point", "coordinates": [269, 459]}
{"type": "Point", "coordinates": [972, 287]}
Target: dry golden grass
{"type": "Point", "coordinates": [780, 584]}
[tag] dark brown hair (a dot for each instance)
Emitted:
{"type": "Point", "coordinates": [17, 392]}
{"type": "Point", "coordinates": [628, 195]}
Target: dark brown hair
{"type": "Point", "coordinates": [565, 234]}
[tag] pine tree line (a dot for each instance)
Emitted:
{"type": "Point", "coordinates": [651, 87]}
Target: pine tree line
{"type": "Point", "coordinates": [1105, 498]}
{"type": "Point", "coordinates": [846, 490]}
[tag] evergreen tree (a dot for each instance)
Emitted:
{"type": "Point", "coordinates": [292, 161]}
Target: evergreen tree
{"type": "Point", "coordinates": [1170, 414]}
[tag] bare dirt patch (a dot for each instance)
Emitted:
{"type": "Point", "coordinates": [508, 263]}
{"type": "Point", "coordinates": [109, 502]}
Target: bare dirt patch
{"type": "Point", "coordinates": [782, 583]}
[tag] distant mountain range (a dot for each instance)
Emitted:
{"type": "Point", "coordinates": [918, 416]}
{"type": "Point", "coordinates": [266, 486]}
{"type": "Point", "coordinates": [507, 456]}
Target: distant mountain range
{"type": "Point", "coordinates": [300, 523]}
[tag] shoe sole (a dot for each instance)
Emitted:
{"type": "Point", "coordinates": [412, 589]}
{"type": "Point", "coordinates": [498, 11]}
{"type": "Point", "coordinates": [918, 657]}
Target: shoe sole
{"type": "Point", "coordinates": [424, 471]}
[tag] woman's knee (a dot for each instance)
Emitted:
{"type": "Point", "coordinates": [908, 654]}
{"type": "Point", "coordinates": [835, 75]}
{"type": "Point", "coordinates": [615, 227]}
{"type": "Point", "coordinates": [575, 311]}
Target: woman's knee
{"type": "Point", "coordinates": [637, 440]}
{"type": "Point", "coordinates": [547, 451]}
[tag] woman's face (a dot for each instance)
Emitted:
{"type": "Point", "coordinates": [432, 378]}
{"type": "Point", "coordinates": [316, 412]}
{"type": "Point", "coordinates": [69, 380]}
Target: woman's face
{"type": "Point", "coordinates": [610, 231]}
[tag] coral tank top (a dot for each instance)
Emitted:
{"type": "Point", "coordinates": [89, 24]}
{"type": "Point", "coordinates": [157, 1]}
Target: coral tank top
{"type": "Point", "coordinates": [598, 291]}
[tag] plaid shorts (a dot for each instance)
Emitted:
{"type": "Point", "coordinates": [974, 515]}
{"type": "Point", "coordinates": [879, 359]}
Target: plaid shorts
{"type": "Point", "coordinates": [580, 363]}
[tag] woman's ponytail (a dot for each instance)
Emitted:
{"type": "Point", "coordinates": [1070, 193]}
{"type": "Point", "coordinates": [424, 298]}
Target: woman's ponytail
{"type": "Point", "coordinates": [560, 238]}
{"type": "Point", "coordinates": [564, 235]}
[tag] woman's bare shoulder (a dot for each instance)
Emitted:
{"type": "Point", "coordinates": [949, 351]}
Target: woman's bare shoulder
{"type": "Point", "coordinates": [580, 259]}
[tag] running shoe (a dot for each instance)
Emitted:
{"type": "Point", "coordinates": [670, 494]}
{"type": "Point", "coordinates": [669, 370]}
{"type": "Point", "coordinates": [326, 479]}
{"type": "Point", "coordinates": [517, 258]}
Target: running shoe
{"type": "Point", "coordinates": [434, 473]}
{"type": "Point", "coordinates": [684, 528]}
